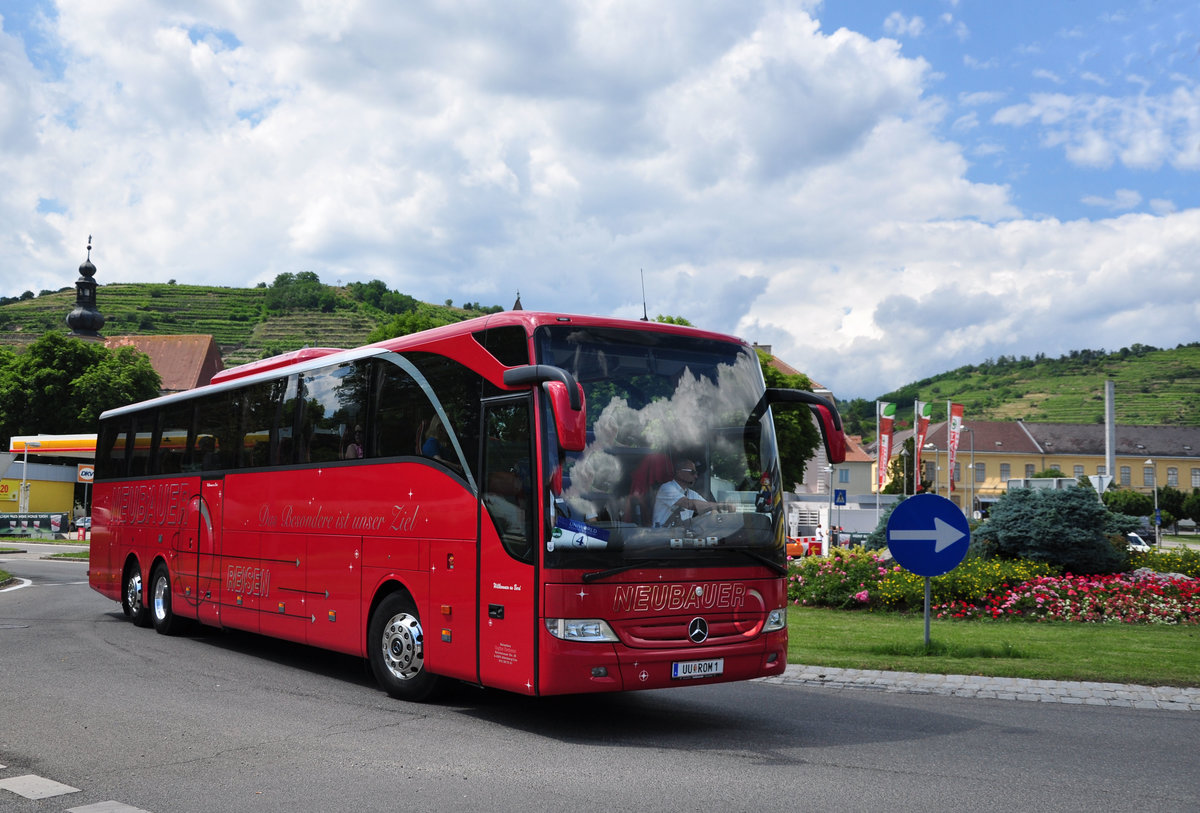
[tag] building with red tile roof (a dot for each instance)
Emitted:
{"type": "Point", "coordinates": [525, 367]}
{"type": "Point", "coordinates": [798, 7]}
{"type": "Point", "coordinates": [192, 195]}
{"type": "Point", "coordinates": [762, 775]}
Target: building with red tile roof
{"type": "Point", "coordinates": [183, 362]}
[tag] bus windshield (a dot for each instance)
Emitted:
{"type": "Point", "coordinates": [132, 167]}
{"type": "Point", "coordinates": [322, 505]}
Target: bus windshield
{"type": "Point", "coordinates": [679, 464]}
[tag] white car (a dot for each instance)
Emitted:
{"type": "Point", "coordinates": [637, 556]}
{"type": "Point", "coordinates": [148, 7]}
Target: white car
{"type": "Point", "coordinates": [1136, 543]}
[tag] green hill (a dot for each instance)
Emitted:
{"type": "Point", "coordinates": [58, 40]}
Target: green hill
{"type": "Point", "coordinates": [246, 323]}
{"type": "Point", "coordinates": [1152, 387]}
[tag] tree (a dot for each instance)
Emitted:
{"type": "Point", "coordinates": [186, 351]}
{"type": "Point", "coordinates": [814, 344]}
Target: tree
{"type": "Point", "coordinates": [1068, 528]}
{"type": "Point", "coordinates": [673, 320]}
{"type": "Point", "coordinates": [1170, 502]}
{"type": "Point", "coordinates": [1128, 501]}
{"type": "Point", "coordinates": [406, 323]}
{"type": "Point", "coordinates": [61, 385]}
{"type": "Point", "coordinates": [300, 291]}
{"type": "Point", "coordinates": [900, 472]}
{"type": "Point", "coordinates": [1191, 506]}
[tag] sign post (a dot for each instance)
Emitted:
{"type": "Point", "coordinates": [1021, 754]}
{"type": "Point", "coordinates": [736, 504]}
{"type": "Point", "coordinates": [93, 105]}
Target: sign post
{"type": "Point", "coordinates": [928, 535]}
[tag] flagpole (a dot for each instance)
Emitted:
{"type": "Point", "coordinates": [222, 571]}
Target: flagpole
{"type": "Point", "coordinates": [878, 473]}
{"type": "Point", "coordinates": [915, 458]}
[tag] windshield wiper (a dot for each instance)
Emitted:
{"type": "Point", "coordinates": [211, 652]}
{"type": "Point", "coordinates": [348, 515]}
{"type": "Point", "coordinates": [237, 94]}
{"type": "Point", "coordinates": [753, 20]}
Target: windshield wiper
{"type": "Point", "coordinates": [612, 571]}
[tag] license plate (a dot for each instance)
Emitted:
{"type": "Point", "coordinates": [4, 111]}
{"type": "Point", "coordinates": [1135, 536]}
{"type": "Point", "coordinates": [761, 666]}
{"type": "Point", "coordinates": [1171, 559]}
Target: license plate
{"type": "Point", "coordinates": [683, 670]}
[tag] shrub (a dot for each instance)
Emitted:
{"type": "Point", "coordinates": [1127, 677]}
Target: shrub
{"type": "Point", "coordinates": [1177, 560]}
{"type": "Point", "coordinates": [862, 579]}
{"type": "Point", "coordinates": [1069, 529]}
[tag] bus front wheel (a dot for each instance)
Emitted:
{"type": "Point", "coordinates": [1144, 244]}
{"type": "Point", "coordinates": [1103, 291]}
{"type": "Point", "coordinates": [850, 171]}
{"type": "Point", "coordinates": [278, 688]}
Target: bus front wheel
{"type": "Point", "coordinates": [131, 597]}
{"type": "Point", "coordinates": [165, 620]}
{"type": "Point", "coordinates": [396, 650]}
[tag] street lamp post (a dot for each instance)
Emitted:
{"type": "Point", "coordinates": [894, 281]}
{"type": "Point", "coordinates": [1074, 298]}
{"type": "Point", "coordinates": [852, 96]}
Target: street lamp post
{"type": "Point", "coordinates": [932, 447]}
{"type": "Point", "coordinates": [971, 478]}
{"type": "Point", "coordinates": [23, 503]}
{"type": "Point", "coordinates": [1157, 521]}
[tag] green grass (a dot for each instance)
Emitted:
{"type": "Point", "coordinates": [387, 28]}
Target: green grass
{"type": "Point", "coordinates": [81, 555]}
{"type": "Point", "coordinates": [1110, 653]}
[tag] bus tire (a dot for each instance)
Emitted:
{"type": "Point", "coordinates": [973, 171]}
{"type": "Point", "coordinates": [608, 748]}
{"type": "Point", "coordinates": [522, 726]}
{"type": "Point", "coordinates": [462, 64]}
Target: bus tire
{"type": "Point", "coordinates": [165, 620]}
{"type": "Point", "coordinates": [132, 603]}
{"type": "Point", "coordinates": [396, 650]}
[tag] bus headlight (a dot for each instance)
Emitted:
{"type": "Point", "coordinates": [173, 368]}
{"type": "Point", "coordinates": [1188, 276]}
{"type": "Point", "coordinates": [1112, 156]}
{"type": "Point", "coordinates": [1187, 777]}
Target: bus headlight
{"type": "Point", "coordinates": [776, 620]}
{"type": "Point", "coordinates": [580, 629]}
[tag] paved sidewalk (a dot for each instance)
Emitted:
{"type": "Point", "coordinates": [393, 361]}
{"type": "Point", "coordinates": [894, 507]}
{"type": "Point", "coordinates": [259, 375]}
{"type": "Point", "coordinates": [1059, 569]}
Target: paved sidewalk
{"type": "Point", "coordinates": [996, 688]}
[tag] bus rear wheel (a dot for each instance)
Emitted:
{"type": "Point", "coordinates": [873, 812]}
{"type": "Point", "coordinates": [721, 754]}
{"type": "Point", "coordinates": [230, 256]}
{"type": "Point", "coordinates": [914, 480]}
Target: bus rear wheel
{"type": "Point", "coordinates": [396, 650]}
{"type": "Point", "coordinates": [131, 597]}
{"type": "Point", "coordinates": [165, 620]}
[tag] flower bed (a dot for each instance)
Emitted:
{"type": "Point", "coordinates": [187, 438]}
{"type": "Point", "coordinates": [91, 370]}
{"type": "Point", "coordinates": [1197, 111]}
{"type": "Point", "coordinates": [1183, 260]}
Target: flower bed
{"type": "Point", "coordinates": [1138, 598]}
{"type": "Point", "coordinates": [994, 588]}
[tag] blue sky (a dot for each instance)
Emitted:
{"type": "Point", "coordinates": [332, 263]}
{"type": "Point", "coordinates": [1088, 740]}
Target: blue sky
{"type": "Point", "coordinates": [881, 191]}
{"type": "Point", "coordinates": [1105, 71]}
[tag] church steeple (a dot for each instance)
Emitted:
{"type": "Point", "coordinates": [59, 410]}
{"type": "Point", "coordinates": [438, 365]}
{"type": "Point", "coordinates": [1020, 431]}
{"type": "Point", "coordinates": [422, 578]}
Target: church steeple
{"type": "Point", "coordinates": [517, 305]}
{"type": "Point", "coordinates": [85, 321]}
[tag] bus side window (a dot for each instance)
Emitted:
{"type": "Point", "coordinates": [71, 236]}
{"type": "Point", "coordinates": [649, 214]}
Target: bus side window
{"type": "Point", "coordinates": [217, 437]}
{"type": "Point", "coordinates": [110, 448]}
{"type": "Point", "coordinates": [334, 404]}
{"type": "Point", "coordinates": [262, 406]}
{"type": "Point", "coordinates": [143, 437]}
{"type": "Point", "coordinates": [175, 421]}
{"type": "Point", "coordinates": [398, 406]}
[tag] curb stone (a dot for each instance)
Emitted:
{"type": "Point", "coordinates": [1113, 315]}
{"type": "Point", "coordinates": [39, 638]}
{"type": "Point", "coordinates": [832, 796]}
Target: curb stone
{"type": "Point", "coordinates": [1172, 698]}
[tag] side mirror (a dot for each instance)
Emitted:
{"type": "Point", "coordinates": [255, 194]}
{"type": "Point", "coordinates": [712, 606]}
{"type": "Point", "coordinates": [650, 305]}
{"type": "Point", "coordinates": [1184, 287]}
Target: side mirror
{"type": "Point", "coordinates": [828, 419]}
{"type": "Point", "coordinates": [571, 424]}
{"type": "Point", "coordinates": [831, 431]}
{"type": "Point", "coordinates": [566, 400]}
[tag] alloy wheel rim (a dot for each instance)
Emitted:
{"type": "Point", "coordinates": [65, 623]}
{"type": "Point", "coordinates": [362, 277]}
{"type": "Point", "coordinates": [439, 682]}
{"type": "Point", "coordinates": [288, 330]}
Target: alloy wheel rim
{"type": "Point", "coordinates": [403, 647]}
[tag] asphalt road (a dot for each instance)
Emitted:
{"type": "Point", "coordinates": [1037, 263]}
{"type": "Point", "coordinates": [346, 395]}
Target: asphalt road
{"type": "Point", "coordinates": [217, 721]}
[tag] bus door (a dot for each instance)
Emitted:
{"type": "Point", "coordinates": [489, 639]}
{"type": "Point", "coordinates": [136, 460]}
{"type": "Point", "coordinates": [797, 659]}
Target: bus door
{"type": "Point", "coordinates": [196, 547]}
{"type": "Point", "coordinates": [508, 508]}
{"type": "Point", "coordinates": [208, 550]}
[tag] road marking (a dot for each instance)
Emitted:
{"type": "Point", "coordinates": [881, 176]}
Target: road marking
{"type": "Point", "coordinates": [106, 807]}
{"type": "Point", "coordinates": [32, 786]}
{"type": "Point", "coordinates": [23, 583]}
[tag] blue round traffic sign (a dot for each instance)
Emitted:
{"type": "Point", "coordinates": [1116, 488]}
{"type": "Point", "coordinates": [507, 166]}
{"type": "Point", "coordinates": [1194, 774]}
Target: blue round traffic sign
{"type": "Point", "coordinates": [928, 535]}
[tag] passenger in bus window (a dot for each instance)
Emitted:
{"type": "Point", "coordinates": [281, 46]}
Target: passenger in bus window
{"type": "Point", "coordinates": [209, 459]}
{"type": "Point", "coordinates": [354, 444]}
{"type": "Point", "coordinates": [436, 443]}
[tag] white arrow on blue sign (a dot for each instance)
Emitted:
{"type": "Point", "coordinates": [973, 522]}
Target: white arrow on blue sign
{"type": "Point", "coordinates": [928, 535]}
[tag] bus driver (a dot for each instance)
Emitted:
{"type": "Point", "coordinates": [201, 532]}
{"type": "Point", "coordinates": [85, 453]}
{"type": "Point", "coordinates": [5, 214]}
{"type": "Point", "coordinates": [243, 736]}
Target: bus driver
{"type": "Point", "coordinates": [676, 501]}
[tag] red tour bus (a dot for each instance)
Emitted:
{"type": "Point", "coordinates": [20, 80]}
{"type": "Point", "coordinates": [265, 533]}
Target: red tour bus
{"type": "Point", "coordinates": [475, 502]}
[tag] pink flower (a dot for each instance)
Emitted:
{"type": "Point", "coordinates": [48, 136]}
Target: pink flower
{"type": "Point", "coordinates": [863, 596]}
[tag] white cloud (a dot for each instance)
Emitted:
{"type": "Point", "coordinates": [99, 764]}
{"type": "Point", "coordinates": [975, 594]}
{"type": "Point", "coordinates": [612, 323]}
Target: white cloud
{"type": "Point", "coordinates": [1122, 200]}
{"type": "Point", "coordinates": [897, 25]}
{"type": "Point", "coordinates": [1140, 132]}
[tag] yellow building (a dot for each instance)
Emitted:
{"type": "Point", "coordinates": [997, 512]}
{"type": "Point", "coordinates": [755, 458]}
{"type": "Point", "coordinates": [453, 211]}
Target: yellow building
{"type": "Point", "coordinates": [991, 453]}
{"type": "Point", "coordinates": [49, 466]}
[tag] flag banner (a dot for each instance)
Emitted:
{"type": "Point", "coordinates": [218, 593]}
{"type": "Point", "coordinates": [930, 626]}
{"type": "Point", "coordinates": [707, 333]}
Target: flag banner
{"type": "Point", "coordinates": [923, 412]}
{"type": "Point", "coordinates": [885, 414]}
{"type": "Point", "coordinates": [953, 431]}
